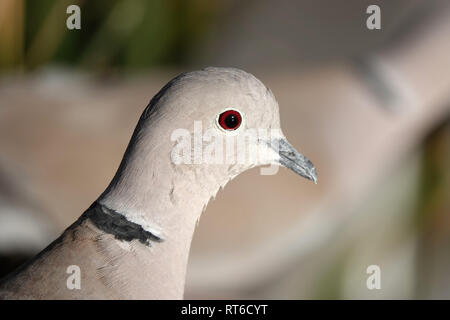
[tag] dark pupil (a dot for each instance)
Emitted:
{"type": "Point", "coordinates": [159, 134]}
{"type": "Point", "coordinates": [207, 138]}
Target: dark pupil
{"type": "Point", "coordinates": [231, 121]}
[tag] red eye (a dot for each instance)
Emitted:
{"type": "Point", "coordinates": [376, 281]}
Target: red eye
{"type": "Point", "coordinates": [230, 120]}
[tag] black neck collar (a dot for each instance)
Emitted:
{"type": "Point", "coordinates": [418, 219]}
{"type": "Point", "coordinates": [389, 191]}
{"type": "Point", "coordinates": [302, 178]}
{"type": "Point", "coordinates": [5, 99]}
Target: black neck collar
{"type": "Point", "coordinates": [118, 225]}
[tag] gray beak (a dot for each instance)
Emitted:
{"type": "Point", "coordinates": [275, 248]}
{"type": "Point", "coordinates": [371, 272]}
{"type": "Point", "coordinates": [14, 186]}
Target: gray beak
{"type": "Point", "coordinates": [294, 160]}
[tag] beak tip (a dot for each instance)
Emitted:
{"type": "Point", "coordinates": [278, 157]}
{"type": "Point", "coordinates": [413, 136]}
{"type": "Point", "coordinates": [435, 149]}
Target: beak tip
{"type": "Point", "coordinates": [314, 176]}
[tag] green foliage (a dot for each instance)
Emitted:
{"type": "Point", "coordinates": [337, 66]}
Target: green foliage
{"type": "Point", "coordinates": [118, 34]}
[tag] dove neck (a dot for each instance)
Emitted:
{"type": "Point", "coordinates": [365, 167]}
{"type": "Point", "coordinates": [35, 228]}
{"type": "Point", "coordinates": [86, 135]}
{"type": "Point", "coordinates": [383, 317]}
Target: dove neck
{"type": "Point", "coordinates": [166, 200]}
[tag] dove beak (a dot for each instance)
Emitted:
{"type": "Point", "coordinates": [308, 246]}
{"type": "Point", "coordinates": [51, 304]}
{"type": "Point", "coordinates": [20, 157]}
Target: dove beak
{"type": "Point", "coordinates": [291, 158]}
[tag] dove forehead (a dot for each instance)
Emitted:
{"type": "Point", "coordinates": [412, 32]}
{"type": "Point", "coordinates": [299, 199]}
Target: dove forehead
{"type": "Point", "coordinates": [205, 92]}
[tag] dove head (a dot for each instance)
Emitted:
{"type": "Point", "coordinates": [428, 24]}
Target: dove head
{"type": "Point", "coordinates": [202, 129]}
{"type": "Point", "coordinates": [221, 117]}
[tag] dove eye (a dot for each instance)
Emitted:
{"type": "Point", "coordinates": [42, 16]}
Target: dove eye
{"type": "Point", "coordinates": [230, 120]}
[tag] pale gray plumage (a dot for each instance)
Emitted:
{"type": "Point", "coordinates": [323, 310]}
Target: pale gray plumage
{"type": "Point", "coordinates": [154, 198]}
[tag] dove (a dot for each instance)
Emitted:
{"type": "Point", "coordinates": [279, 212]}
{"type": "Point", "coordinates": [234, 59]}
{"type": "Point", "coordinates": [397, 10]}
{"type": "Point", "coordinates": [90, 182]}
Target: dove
{"type": "Point", "coordinates": [133, 242]}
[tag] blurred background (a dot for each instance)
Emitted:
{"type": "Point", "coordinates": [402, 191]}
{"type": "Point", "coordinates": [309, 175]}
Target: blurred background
{"type": "Point", "coordinates": [370, 108]}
